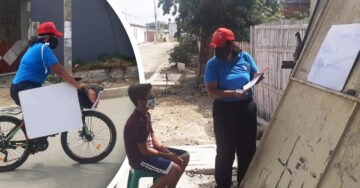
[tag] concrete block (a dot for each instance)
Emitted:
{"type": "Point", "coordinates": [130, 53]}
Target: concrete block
{"type": "Point", "coordinates": [102, 75]}
{"type": "Point", "coordinates": [181, 66]}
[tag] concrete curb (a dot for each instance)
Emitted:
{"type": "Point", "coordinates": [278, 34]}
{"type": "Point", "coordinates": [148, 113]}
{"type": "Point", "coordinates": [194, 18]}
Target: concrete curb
{"type": "Point", "coordinates": [7, 74]}
{"type": "Point", "coordinates": [123, 91]}
{"type": "Point", "coordinates": [115, 92]}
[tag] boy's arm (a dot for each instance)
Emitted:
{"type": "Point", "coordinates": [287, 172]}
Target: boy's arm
{"type": "Point", "coordinates": [148, 151]}
{"type": "Point", "coordinates": [158, 145]}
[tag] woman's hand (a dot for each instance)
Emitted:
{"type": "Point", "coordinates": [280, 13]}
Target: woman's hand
{"type": "Point", "coordinates": [82, 86]}
{"type": "Point", "coordinates": [261, 76]}
{"type": "Point", "coordinates": [241, 94]}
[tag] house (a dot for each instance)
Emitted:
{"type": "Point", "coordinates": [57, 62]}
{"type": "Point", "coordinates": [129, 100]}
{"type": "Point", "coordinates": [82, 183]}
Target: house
{"type": "Point", "coordinates": [150, 35]}
{"type": "Point", "coordinates": [293, 6]}
{"type": "Point", "coordinates": [95, 29]}
{"type": "Point", "coordinates": [140, 33]}
{"type": "Point", "coordinates": [172, 31]}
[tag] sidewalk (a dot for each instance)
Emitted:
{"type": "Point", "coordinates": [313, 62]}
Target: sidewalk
{"type": "Point", "coordinates": [199, 172]}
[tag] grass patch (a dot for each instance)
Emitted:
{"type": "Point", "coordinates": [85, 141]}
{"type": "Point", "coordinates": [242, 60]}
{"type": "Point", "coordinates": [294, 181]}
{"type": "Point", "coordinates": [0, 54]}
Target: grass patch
{"type": "Point", "coordinates": [108, 65]}
{"type": "Point", "coordinates": [105, 62]}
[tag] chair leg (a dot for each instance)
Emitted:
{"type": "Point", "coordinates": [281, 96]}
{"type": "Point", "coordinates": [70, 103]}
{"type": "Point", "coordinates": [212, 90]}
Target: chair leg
{"type": "Point", "coordinates": [133, 180]}
{"type": "Point", "coordinates": [129, 183]}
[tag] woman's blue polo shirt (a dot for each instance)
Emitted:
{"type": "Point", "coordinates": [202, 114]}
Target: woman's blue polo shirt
{"type": "Point", "coordinates": [231, 75]}
{"type": "Point", "coordinates": [32, 67]}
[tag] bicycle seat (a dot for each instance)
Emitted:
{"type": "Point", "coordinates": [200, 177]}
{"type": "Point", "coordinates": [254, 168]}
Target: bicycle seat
{"type": "Point", "coordinates": [11, 110]}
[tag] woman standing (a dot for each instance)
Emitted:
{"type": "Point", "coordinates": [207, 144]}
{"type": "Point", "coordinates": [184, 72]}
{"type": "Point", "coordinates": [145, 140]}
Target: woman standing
{"type": "Point", "coordinates": [234, 110]}
{"type": "Point", "coordinates": [38, 62]}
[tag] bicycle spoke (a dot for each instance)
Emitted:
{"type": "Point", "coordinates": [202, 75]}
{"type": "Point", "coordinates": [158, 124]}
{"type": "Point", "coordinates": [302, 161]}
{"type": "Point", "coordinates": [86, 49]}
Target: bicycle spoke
{"type": "Point", "coordinates": [101, 134]}
{"type": "Point", "coordinates": [13, 154]}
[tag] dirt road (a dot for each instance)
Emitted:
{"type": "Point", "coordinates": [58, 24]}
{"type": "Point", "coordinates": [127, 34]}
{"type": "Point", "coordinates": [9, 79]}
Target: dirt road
{"type": "Point", "coordinates": [153, 55]}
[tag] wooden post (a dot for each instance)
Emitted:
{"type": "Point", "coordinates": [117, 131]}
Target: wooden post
{"type": "Point", "coordinates": [67, 36]}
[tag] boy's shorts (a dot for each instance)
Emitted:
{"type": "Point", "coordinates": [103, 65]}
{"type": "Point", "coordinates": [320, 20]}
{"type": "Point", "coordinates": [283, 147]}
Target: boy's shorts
{"type": "Point", "coordinates": [160, 165]}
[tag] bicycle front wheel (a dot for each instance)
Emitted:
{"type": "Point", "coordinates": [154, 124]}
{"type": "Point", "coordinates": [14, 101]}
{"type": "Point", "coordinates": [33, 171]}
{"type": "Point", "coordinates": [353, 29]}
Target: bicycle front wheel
{"type": "Point", "coordinates": [14, 151]}
{"type": "Point", "coordinates": [93, 142]}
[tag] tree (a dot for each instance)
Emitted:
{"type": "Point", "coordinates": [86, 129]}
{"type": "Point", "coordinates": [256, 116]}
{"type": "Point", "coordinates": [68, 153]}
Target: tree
{"type": "Point", "coordinates": [203, 17]}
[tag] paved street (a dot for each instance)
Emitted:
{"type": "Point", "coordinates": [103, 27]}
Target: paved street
{"type": "Point", "coordinates": [53, 168]}
{"type": "Point", "coordinates": [153, 56]}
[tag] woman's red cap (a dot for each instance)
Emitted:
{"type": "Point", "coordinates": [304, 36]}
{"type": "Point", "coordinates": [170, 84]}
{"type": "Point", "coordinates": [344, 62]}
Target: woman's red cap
{"type": "Point", "coordinates": [220, 36]}
{"type": "Point", "coordinates": [48, 27]}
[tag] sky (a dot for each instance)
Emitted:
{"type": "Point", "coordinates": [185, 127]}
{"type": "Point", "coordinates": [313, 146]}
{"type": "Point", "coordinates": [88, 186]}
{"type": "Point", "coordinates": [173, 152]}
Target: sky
{"type": "Point", "coordinates": [142, 11]}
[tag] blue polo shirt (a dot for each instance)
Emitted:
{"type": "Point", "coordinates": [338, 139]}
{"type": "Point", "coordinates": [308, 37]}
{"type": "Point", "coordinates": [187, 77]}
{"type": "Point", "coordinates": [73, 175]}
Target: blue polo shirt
{"type": "Point", "coordinates": [231, 75]}
{"type": "Point", "coordinates": [31, 65]}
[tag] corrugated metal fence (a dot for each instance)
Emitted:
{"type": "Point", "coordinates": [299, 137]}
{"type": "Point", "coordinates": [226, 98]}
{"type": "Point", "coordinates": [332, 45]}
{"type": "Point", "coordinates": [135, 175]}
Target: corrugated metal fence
{"type": "Point", "coordinates": [270, 44]}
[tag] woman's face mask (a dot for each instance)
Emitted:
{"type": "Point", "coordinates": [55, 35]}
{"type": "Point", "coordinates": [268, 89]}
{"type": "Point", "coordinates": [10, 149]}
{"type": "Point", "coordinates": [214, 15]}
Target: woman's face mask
{"type": "Point", "coordinates": [150, 103]}
{"type": "Point", "coordinates": [53, 42]}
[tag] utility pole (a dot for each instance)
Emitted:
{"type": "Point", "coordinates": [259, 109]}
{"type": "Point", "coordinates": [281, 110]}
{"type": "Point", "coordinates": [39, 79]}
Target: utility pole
{"type": "Point", "coordinates": [156, 27]}
{"type": "Point", "coordinates": [67, 36]}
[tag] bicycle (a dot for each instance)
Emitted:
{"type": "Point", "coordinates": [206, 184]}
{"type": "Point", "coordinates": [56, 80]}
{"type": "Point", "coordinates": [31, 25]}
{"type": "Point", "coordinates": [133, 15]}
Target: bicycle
{"type": "Point", "coordinates": [89, 144]}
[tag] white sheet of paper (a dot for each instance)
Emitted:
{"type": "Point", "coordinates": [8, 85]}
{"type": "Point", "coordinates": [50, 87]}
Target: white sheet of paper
{"type": "Point", "coordinates": [336, 57]}
{"type": "Point", "coordinates": [251, 83]}
{"type": "Point", "coordinates": [51, 109]}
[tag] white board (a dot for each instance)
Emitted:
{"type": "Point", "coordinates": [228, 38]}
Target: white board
{"type": "Point", "coordinates": [336, 57]}
{"type": "Point", "coordinates": [51, 109]}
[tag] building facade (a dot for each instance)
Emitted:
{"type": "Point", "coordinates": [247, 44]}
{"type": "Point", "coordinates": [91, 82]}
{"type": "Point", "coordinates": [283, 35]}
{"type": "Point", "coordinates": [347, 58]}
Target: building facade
{"type": "Point", "coordinates": [139, 32]}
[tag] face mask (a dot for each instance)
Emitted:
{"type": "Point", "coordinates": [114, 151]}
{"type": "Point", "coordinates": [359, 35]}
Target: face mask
{"type": "Point", "coordinates": [235, 53]}
{"type": "Point", "coordinates": [53, 42]}
{"type": "Point", "coordinates": [150, 103]}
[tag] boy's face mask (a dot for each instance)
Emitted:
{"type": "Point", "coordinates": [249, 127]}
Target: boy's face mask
{"type": "Point", "coordinates": [150, 103]}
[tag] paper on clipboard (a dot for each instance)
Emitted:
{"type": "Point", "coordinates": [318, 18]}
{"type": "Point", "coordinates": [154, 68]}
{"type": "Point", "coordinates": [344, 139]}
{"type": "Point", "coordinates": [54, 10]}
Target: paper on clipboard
{"type": "Point", "coordinates": [254, 80]}
{"type": "Point", "coordinates": [251, 83]}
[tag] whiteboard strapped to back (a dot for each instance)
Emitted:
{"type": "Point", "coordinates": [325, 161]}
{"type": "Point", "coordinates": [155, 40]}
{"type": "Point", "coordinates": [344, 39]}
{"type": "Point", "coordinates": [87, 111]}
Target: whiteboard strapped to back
{"type": "Point", "coordinates": [51, 109]}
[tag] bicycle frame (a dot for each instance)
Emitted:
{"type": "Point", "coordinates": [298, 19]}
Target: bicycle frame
{"type": "Point", "coordinates": [11, 134]}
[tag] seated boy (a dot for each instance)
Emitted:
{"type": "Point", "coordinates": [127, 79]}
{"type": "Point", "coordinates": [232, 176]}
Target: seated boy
{"type": "Point", "coordinates": [142, 148]}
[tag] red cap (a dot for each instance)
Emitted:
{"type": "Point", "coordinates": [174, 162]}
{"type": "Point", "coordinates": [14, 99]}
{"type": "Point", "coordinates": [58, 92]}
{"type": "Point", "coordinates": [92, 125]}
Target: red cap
{"type": "Point", "coordinates": [48, 27]}
{"type": "Point", "coordinates": [220, 36]}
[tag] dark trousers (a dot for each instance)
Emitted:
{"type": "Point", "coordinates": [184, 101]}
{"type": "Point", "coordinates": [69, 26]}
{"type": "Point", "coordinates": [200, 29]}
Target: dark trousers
{"type": "Point", "coordinates": [16, 88]}
{"type": "Point", "coordinates": [235, 132]}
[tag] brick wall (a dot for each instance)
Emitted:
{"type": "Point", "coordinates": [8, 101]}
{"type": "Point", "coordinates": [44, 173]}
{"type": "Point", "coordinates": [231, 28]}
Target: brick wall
{"type": "Point", "coordinates": [290, 9]}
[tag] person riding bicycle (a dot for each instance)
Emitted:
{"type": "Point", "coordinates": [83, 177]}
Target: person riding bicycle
{"type": "Point", "coordinates": [39, 61]}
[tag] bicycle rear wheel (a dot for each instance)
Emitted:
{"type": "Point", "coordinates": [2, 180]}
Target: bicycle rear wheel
{"type": "Point", "coordinates": [15, 151]}
{"type": "Point", "coordinates": [83, 149]}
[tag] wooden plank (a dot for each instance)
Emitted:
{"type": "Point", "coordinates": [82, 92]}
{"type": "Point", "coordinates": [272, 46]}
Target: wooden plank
{"type": "Point", "coordinates": [288, 64]}
{"type": "Point", "coordinates": [282, 27]}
